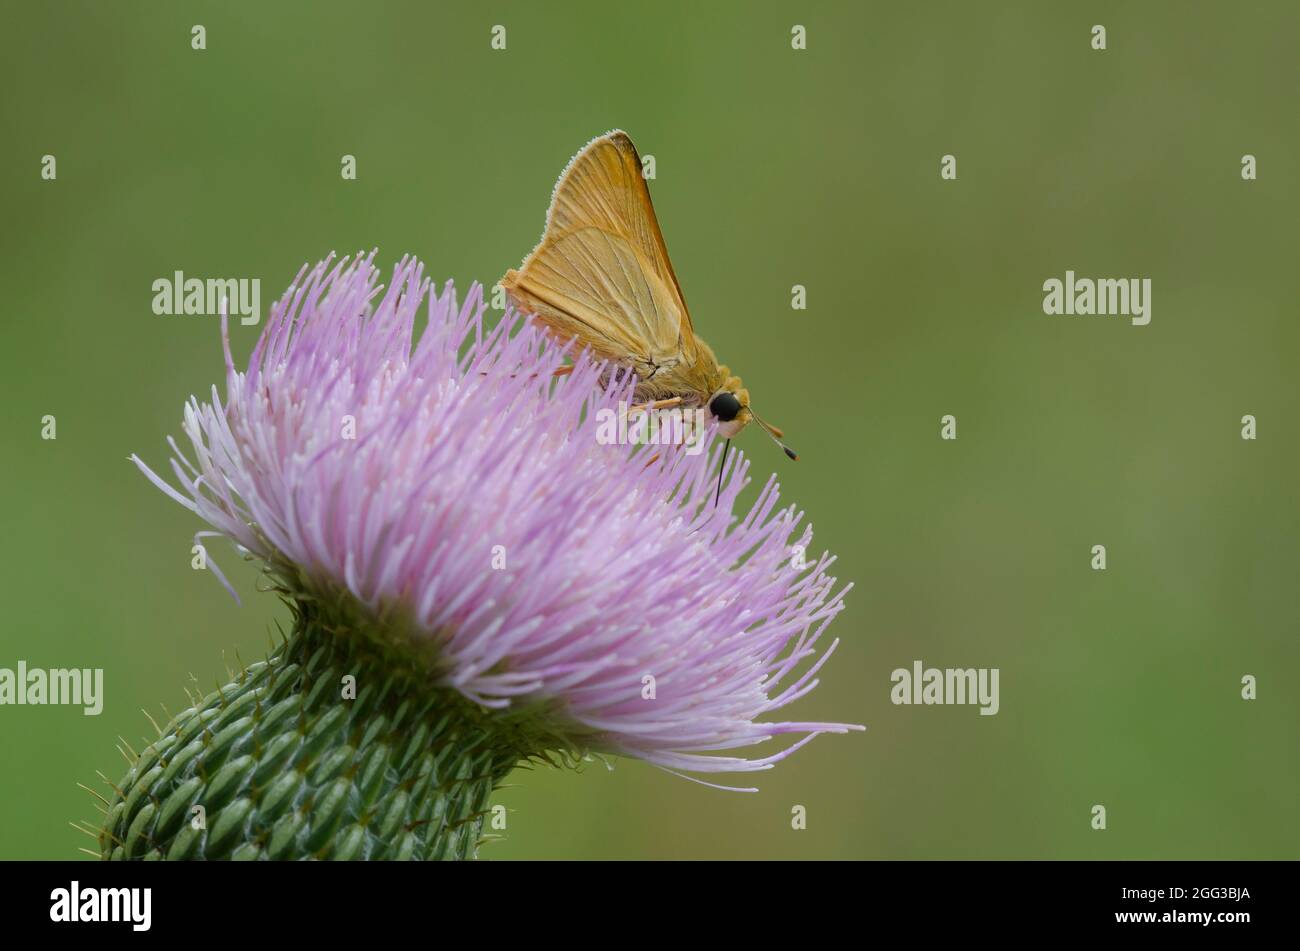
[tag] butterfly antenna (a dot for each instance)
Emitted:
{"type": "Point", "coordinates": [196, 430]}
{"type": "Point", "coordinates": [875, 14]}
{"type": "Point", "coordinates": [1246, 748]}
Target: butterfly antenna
{"type": "Point", "coordinates": [721, 469]}
{"type": "Point", "coordinates": [775, 433]}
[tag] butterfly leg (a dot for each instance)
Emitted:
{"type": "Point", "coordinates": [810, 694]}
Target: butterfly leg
{"type": "Point", "coordinates": [657, 404]}
{"type": "Point", "coordinates": [562, 371]}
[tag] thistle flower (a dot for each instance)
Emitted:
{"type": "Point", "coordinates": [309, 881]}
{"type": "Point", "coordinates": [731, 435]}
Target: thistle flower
{"type": "Point", "coordinates": [449, 529]}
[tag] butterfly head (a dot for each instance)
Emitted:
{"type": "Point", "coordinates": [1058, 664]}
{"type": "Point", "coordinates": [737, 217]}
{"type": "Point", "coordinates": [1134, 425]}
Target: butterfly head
{"type": "Point", "coordinates": [731, 410]}
{"type": "Point", "coordinates": [730, 407]}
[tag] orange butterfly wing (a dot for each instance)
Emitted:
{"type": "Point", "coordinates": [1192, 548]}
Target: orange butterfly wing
{"type": "Point", "coordinates": [601, 273]}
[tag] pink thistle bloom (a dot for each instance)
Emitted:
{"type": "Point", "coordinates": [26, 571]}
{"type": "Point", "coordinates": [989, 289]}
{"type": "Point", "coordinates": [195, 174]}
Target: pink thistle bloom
{"type": "Point", "coordinates": [455, 483]}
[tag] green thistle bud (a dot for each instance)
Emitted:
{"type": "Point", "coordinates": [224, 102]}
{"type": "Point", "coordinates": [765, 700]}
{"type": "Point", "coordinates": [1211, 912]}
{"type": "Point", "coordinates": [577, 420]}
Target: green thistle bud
{"type": "Point", "coordinates": [335, 747]}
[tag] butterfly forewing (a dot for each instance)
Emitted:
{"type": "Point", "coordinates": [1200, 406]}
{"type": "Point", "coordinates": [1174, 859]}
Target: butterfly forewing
{"type": "Point", "coordinates": [601, 272]}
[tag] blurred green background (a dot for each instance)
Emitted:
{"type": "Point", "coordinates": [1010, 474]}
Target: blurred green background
{"type": "Point", "coordinates": [774, 167]}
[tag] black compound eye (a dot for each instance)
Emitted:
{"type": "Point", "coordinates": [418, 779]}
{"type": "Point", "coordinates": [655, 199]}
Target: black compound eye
{"type": "Point", "coordinates": [725, 406]}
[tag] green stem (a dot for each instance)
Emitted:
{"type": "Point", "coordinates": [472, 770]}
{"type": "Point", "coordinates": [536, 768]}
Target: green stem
{"type": "Point", "coordinates": [288, 762]}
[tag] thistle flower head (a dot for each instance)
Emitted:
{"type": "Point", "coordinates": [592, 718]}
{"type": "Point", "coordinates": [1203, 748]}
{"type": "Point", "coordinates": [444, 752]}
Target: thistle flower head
{"type": "Point", "coordinates": [387, 447]}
